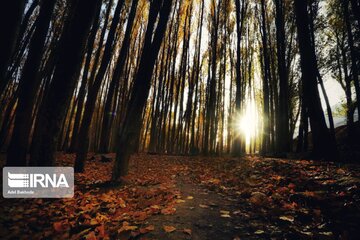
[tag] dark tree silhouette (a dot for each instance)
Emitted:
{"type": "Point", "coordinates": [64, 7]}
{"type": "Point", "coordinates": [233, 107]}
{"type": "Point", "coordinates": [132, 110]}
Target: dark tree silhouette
{"type": "Point", "coordinates": [141, 87]}
{"type": "Point", "coordinates": [28, 87]}
{"type": "Point", "coordinates": [53, 108]}
{"type": "Point", "coordinates": [323, 141]}
{"type": "Point", "coordinates": [11, 15]}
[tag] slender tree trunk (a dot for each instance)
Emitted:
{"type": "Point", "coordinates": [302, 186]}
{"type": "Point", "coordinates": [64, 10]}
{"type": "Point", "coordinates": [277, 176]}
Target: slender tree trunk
{"type": "Point", "coordinates": [266, 81]}
{"type": "Point", "coordinates": [94, 90]}
{"type": "Point", "coordinates": [324, 145]}
{"type": "Point", "coordinates": [141, 87]}
{"type": "Point", "coordinates": [11, 14]}
{"type": "Point", "coordinates": [28, 88]}
{"type": "Point", "coordinates": [354, 66]}
{"type": "Point", "coordinates": [320, 80]}
{"type": "Point", "coordinates": [84, 83]}
{"type": "Point", "coordinates": [240, 19]}
{"type": "Point", "coordinates": [282, 124]}
{"type": "Point", "coordinates": [105, 135]}
{"type": "Point", "coordinates": [53, 109]}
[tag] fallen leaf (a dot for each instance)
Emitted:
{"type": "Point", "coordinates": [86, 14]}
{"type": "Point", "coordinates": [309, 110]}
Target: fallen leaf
{"type": "Point", "coordinates": [94, 222]}
{"type": "Point", "coordinates": [258, 198]}
{"type": "Point", "coordinates": [101, 217]}
{"type": "Point", "coordinates": [58, 226]}
{"type": "Point", "coordinates": [290, 206]}
{"type": "Point", "coordinates": [140, 216]}
{"type": "Point", "coordinates": [168, 211]}
{"type": "Point", "coordinates": [127, 227]}
{"type": "Point", "coordinates": [342, 194]}
{"type": "Point", "coordinates": [187, 231]}
{"type": "Point", "coordinates": [214, 181]}
{"type": "Point", "coordinates": [101, 230]}
{"type": "Point", "coordinates": [291, 186]}
{"type": "Point", "coordinates": [147, 229]}
{"type": "Point", "coordinates": [203, 206]}
{"type": "Point", "coordinates": [276, 177]}
{"type": "Point", "coordinates": [224, 212]}
{"type": "Point", "coordinates": [190, 197]}
{"type": "Point", "coordinates": [326, 233]}
{"type": "Point", "coordinates": [307, 233]}
{"type": "Point", "coordinates": [169, 229]}
{"type": "Point", "coordinates": [91, 236]}
{"type": "Point", "coordinates": [309, 194]}
{"type": "Point", "coordinates": [258, 232]}
{"type": "Point", "coordinates": [122, 203]}
{"type": "Point", "coordinates": [287, 218]}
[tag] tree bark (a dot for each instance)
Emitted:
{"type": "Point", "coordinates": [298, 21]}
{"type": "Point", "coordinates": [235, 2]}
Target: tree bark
{"type": "Point", "coordinates": [53, 109]}
{"type": "Point", "coordinates": [354, 65]}
{"type": "Point", "coordinates": [28, 88]}
{"type": "Point", "coordinates": [94, 90]}
{"type": "Point", "coordinates": [141, 87]}
{"type": "Point", "coordinates": [11, 14]}
{"type": "Point", "coordinates": [282, 119]}
{"type": "Point", "coordinates": [324, 145]}
{"type": "Point", "coordinates": [120, 64]}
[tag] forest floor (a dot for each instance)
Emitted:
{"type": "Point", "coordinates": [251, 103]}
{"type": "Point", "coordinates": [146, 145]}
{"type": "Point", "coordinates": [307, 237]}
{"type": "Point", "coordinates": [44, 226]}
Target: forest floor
{"type": "Point", "coordinates": [173, 197]}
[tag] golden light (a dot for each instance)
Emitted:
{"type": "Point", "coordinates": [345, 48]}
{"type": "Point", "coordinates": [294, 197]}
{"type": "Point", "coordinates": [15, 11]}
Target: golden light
{"type": "Point", "coordinates": [248, 123]}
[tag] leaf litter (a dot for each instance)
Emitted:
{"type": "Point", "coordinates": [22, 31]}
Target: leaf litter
{"type": "Point", "coordinates": [265, 198]}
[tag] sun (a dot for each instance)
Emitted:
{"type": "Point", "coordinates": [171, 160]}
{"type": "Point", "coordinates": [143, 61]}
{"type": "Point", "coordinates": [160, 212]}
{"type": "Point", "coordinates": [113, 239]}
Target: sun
{"type": "Point", "coordinates": [247, 122]}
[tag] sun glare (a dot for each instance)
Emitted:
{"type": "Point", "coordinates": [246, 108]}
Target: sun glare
{"type": "Point", "coordinates": [248, 122]}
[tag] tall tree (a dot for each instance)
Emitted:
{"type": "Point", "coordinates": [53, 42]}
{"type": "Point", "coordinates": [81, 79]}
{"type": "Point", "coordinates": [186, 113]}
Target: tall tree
{"type": "Point", "coordinates": [282, 121]}
{"type": "Point", "coordinates": [54, 106]}
{"type": "Point", "coordinates": [241, 8]}
{"type": "Point", "coordinates": [118, 72]}
{"type": "Point", "coordinates": [11, 14]}
{"type": "Point", "coordinates": [28, 87]}
{"type": "Point", "coordinates": [353, 54]}
{"type": "Point", "coordinates": [324, 144]}
{"type": "Point", "coordinates": [133, 120]}
{"type": "Point", "coordinates": [266, 79]}
{"type": "Point", "coordinates": [94, 90]}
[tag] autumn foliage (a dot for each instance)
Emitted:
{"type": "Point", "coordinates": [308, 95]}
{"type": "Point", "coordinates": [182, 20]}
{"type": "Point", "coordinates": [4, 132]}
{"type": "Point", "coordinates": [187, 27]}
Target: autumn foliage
{"type": "Point", "coordinates": [247, 198]}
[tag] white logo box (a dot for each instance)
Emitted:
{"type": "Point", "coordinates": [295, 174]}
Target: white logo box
{"type": "Point", "coordinates": [38, 182]}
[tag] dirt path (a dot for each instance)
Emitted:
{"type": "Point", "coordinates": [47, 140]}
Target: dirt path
{"type": "Point", "coordinates": [321, 209]}
{"type": "Point", "coordinates": [201, 213]}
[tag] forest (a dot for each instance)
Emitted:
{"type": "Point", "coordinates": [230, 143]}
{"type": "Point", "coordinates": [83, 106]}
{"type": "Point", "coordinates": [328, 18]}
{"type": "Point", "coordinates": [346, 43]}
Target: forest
{"type": "Point", "coordinates": [183, 119]}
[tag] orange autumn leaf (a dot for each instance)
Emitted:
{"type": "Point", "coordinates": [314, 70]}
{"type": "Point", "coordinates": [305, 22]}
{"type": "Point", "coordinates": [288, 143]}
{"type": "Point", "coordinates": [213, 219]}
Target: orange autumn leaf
{"type": "Point", "coordinates": [276, 177]}
{"type": "Point", "coordinates": [309, 194]}
{"type": "Point", "coordinates": [187, 231]}
{"type": "Point", "coordinates": [168, 211]}
{"type": "Point", "coordinates": [58, 226]}
{"type": "Point", "coordinates": [291, 186]}
{"type": "Point", "coordinates": [290, 206]}
{"type": "Point", "coordinates": [282, 190]}
{"type": "Point", "coordinates": [214, 181]}
{"type": "Point", "coordinates": [94, 222]}
{"type": "Point", "coordinates": [126, 227]}
{"type": "Point", "coordinates": [169, 229]}
{"type": "Point", "coordinates": [141, 216]}
{"type": "Point", "coordinates": [101, 230]}
{"type": "Point", "coordinates": [147, 229]}
{"type": "Point", "coordinates": [91, 236]}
